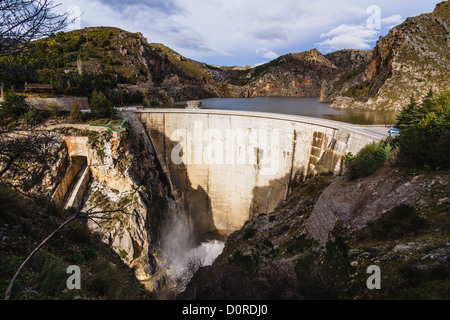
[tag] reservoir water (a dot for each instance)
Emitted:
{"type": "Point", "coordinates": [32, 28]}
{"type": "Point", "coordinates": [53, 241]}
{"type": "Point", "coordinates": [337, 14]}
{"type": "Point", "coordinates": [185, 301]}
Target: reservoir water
{"type": "Point", "coordinates": [309, 107]}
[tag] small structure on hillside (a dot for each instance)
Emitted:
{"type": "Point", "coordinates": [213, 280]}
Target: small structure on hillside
{"type": "Point", "coordinates": [194, 104]}
{"type": "Point", "coordinates": [37, 86]}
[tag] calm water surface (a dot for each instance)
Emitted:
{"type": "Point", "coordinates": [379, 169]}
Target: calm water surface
{"type": "Point", "coordinates": [310, 107]}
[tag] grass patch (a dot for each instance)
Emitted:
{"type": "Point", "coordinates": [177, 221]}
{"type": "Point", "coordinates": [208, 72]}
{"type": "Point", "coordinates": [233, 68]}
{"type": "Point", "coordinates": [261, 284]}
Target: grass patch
{"type": "Point", "coordinates": [103, 273]}
{"type": "Point", "coordinates": [402, 222]}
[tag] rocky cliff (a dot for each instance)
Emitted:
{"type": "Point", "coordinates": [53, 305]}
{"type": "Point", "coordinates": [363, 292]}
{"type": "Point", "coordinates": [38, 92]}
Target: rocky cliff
{"type": "Point", "coordinates": [125, 184]}
{"type": "Point", "coordinates": [298, 74]}
{"type": "Point", "coordinates": [123, 63]}
{"type": "Point", "coordinates": [125, 177]}
{"type": "Point", "coordinates": [319, 243]}
{"type": "Point", "coordinates": [411, 59]}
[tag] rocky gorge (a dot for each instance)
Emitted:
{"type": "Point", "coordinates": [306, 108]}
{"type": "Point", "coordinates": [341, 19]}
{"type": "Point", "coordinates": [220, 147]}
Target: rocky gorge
{"type": "Point", "coordinates": [411, 59]}
{"type": "Point", "coordinates": [124, 185]}
{"type": "Point", "coordinates": [316, 243]}
{"type": "Point", "coordinates": [319, 243]}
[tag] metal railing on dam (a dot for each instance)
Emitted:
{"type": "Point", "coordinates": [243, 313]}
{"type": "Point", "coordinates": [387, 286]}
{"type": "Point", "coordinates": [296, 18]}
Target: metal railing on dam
{"type": "Point", "coordinates": [228, 166]}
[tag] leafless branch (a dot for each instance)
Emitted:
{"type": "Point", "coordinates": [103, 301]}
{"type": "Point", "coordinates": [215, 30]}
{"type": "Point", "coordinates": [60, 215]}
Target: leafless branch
{"type": "Point", "coordinates": [78, 215]}
{"type": "Point", "coordinates": [20, 148]}
{"type": "Point", "coordinates": [22, 21]}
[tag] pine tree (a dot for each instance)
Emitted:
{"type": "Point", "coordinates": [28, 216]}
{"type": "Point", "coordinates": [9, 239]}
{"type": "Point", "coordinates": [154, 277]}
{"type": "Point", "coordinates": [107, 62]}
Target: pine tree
{"type": "Point", "coordinates": [428, 101]}
{"type": "Point", "coordinates": [13, 104]}
{"type": "Point", "coordinates": [425, 135]}
{"type": "Point", "coordinates": [31, 117]}
{"type": "Point", "coordinates": [409, 114]}
{"type": "Point", "coordinates": [75, 113]}
{"type": "Point", "coordinates": [100, 105]}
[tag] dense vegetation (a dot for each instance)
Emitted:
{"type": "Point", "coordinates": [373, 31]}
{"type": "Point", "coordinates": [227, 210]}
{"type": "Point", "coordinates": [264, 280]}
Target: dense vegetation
{"type": "Point", "coordinates": [424, 139]}
{"type": "Point", "coordinates": [425, 131]}
{"type": "Point", "coordinates": [368, 159]}
{"type": "Point", "coordinates": [25, 222]}
{"type": "Point", "coordinates": [81, 59]}
{"type": "Point", "coordinates": [15, 112]}
{"type": "Point", "coordinates": [100, 105]}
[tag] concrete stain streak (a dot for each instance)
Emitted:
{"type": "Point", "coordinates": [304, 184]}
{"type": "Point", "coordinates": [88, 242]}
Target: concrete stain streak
{"type": "Point", "coordinates": [220, 188]}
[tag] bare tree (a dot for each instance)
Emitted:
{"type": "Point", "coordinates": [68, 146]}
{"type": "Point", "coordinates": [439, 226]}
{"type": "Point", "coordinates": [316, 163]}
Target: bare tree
{"type": "Point", "coordinates": [22, 21]}
{"type": "Point", "coordinates": [26, 155]}
{"type": "Point", "coordinates": [89, 214]}
{"type": "Point", "coordinates": [189, 269]}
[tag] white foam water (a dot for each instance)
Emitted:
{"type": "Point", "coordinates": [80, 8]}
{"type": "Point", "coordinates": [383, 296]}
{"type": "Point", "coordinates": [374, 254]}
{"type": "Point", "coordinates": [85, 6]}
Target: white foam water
{"type": "Point", "coordinates": [207, 252]}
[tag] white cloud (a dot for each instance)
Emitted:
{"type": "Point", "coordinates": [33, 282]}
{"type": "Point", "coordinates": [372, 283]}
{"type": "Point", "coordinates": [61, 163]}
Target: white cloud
{"type": "Point", "coordinates": [259, 64]}
{"type": "Point", "coordinates": [348, 37]}
{"type": "Point", "coordinates": [215, 31]}
{"type": "Point", "coordinates": [392, 21]}
{"type": "Point", "coordinates": [268, 54]}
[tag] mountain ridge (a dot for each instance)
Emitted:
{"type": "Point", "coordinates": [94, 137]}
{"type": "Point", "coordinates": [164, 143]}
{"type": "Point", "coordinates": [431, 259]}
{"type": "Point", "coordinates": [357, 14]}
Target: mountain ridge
{"type": "Point", "coordinates": [410, 59]}
{"type": "Point", "coordinates": [124, 60]}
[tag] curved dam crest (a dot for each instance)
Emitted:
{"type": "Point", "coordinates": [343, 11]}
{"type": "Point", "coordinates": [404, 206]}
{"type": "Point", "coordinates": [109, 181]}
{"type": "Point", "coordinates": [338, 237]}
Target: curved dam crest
{"type": "Point", "coordinates": [226, 167]}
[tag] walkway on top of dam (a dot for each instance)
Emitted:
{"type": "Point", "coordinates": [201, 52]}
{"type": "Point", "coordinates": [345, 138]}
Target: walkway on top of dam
{"type": "Point", "coordinates": [379, 132]}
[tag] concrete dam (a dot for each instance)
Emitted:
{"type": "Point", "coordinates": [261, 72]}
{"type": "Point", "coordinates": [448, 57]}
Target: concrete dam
{"type": "Point", "coordinates": [225, 167]}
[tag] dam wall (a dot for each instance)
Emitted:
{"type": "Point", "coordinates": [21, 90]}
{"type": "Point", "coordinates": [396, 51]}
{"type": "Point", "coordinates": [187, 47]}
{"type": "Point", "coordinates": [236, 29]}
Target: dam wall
{"type": "Point", "coordinates": [229, 166]}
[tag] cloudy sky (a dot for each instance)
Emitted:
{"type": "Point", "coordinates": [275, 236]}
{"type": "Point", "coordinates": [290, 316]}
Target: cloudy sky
{"type": "Point", "coordinates": [241, 32]}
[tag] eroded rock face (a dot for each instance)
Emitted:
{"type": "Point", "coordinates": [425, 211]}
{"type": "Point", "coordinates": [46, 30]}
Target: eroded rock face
{"type": "Point", "coordinates": [351, 204]}
{"type": "Point", "coordinates": [410, 59]}
{"type": "Point", "coordinates": [125, 186]}
{"type": "Point", "coordinates": [38, 158]}
{"type": "Point", "coordinates": [299, 74]}
{"type": "Point", "coordinates": [129, 180]}
{"type": "Point", "coordinates": [321, 240]}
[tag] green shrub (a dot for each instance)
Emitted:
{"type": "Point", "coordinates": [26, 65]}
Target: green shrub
{"type": "Point", "coordinates": [368, 159]}
{"type": "Point", "coordinates": [105, 43]}
{"type": "Point", "coordinates": [244, 262]}
{"type": "Point", "coordinates": [249, 233]}
{"type": "Point", "coordinates": [123, 254]}
{"type": "Point", "coordinates": [52, 279]}
{"type": "Point", "coordinates": [76, 258]}
{"type": "Point", "coordinates": [75, 113]}
{"type": "Point", "coordinates": [32, 117]}
{"type": "Point", "coordinates": [110, 281]}
{"type": "Point", "coordinates": [401, 222]}
{"type": "Point", "coordinates": [90, 253]}
{"type": "Point", "coordinates": [311, 285]}
{"type": "Point", "coordinates": [54, 109]}
{"type": "Point", "coordinates": [13, 105]}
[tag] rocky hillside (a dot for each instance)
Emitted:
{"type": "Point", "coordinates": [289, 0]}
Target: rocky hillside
{"type": "Point", "coordinates": [319, 243]}
{"type": "Point", "coordinates": [123, 63]}
{"type": "Point", "coordinates": [125, 185]}
{"type": "Point", "coordinates": [411, 59]}
{"type": "Point", "coordinates": [298, 74]}
{"type": "Point", "coordinates": [24, 223]}
{"type": "Point", "coordinates": [116, 61]}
